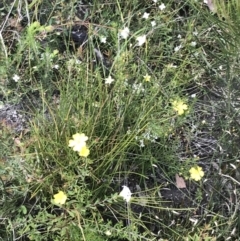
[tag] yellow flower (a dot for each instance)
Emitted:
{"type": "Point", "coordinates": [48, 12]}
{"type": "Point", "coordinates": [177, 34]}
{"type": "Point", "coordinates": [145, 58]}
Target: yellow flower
{"type": "Point", "coordinates": [78, 141]}
{"type": "Point", "coordinates": [84, 152]}
{"type": "Point", "coordinates": [179, 106]}
{"type": "Point", "coordinates": [147, 77]}
{"type": "Point", "coordinates": [60, 198]}
{"type": "Point", "coordinates": [196, 173]}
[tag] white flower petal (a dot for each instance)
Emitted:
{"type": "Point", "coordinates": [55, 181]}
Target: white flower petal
{"type": "Point", "coordinates": [162, 6]}
{"type": "Point", "coordinates": [109, 80]}
{"type": "Point", "coordinates": [193, 44]}
{"type": "Point", "coordinates": [177, 48]}
{"type": "Point", "coordinates": [126, 194]}
{"type": "Point", "coordinates": [141, 40]}
{"type": "Point", "coordinates": [153, 23]}
{"type": "Point", "coordinates": [124, 33]}
{"type": "Point", "coordinates": [108, 233]}
{"type": "Point", "coordinates": [16, 78]}
{"type": "Point", "coordinates": [103, 39]}
{"type": "Point", "coordinates": [146, 15]}
{"type": "Point", "coordinates": [195, 33]}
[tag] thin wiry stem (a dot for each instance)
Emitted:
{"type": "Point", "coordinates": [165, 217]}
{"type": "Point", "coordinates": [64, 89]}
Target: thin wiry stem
{"type": "Point", "coordinates": [2, 27]}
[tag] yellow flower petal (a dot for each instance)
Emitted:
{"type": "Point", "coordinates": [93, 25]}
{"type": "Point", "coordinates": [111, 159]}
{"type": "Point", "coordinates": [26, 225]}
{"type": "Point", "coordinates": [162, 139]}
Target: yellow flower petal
{"type": "Point", "coordinates": [196, 173]}
{"type": "Point", "coordinates": [147, 77]}
{"type": "Point", "coordinates": [179, 106]}
{"type": "Point", "coordinates": [60, 198]}
{"type": "Point", "coordinates": [84, 152]}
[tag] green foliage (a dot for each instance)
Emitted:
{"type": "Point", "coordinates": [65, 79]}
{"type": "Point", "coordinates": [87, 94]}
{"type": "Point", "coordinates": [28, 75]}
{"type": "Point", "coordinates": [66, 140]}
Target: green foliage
{"type": "Point", "coordinates": [140, 133]}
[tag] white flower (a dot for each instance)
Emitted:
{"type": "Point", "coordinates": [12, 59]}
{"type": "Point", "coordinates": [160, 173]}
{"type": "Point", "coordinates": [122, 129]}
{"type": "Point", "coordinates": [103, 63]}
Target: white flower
{"type": "Point", "coordinates": [153, 23]}
{"type": "Point", "coordinates": [162, 6]}
{"type": "Point", "coordinates": [146, 15]}
{"type": "Point", "coordinates": [179, 36]}
{"type": "Point", "coordinates": [155, 1]}
{"type": "Point", "coordinates": [109, 80]}
{"type": "Point", "coordinates": [108, 233]}
{"type": "Point", "coordinates": [193, 44]}
{"type": "Point", "coordinates": [126, 193]}
{"type": "Point", "coordinates": [193, 95]}
{"type": "Point", "coordinates": [16, 78]}
{"type": "Point", "coordinates": [141, 40]}
{"type": "Point", "coordinates": [124, 32]}
{"type": "Point", "coordinates": [103, 39]}
{"type": "Point", "coordinates": [56, 66]}
{"type": "Point", "coordinates": [177, 48]}
{"type": "Point", "coordinates": [138, 88]}
{"type": "Point", "coordinates": [78, 61]}
{"type": "Point", "coordinates": [195, 33]}
{"type": "Point", "coordinates": [141, 143]}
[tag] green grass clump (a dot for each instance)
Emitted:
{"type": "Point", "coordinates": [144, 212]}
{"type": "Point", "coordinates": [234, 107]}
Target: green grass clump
{"type": "Point", "coordinates": [145, 90]}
